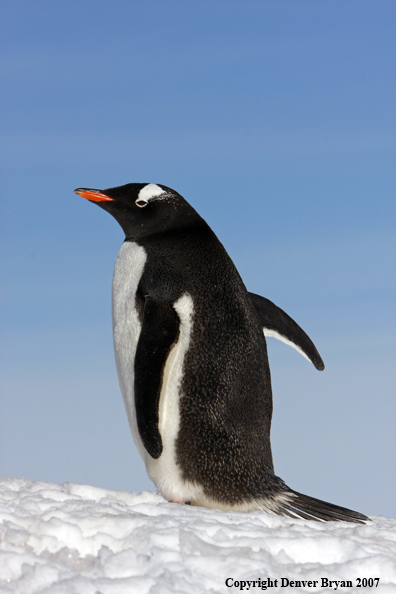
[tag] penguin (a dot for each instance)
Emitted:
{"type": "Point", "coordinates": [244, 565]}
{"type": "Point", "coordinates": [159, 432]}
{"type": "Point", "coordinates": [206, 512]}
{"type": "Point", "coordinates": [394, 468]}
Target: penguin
{"type": "Point", "coordinates": [192, 363]}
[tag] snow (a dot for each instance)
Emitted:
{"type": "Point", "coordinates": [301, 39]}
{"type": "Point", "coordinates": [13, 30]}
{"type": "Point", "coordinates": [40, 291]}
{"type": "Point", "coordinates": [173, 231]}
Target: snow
{"type": "Point", "coordinates": [70, 538]}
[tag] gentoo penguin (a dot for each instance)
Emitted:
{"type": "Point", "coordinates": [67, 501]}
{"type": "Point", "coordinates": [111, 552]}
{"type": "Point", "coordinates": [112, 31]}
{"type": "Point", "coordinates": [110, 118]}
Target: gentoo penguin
{"type": "Point", "coordinates": [192, 360]}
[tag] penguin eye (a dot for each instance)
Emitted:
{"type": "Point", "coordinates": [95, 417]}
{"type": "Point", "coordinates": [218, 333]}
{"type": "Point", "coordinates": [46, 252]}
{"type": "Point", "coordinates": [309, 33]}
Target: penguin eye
{"type": "Point", "coordinates": [141, 203]}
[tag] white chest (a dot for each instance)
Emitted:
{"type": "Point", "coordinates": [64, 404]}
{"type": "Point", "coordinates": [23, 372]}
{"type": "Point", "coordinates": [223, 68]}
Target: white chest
{"type": "Point", "coordinates": [128, 271]}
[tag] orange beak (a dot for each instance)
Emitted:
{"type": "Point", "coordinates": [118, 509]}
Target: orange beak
{"type": "Point", "coordinates": [93, 195]}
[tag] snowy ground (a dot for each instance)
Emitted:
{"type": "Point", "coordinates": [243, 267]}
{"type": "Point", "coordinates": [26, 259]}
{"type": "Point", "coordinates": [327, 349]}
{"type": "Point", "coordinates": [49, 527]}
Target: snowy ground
{"type": "Point", "coordinates": [80, 539]}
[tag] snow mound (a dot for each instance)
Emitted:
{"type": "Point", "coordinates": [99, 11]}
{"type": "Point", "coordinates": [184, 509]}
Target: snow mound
{"type": "Point", "coordinates": [63, 539]}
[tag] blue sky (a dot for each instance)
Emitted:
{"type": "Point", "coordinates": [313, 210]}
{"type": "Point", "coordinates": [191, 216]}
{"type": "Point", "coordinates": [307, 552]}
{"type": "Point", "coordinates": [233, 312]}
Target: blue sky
{"type": "Point", "coordinates": [276, 120]}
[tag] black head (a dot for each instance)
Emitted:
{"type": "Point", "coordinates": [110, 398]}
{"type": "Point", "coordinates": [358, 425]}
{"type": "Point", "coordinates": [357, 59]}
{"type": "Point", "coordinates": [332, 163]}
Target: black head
{"type": "Point", "coordinates": [143, 209]}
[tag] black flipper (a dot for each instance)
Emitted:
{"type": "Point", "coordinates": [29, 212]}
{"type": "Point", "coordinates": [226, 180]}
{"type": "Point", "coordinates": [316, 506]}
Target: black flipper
{"type": "Point", "coordinates": [274, 319]}
{"type": "Point", "coordinates": [160, 330]}
{"type": "Point", "coordinates": [309, 508]}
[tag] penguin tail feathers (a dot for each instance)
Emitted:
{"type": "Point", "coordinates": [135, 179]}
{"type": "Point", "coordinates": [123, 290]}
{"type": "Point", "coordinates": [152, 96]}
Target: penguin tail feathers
{"type": "Point", "coordinates": [309, 508]}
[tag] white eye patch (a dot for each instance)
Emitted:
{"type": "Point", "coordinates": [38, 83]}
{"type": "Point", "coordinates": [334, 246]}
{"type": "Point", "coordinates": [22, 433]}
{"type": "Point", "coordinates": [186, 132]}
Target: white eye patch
{"type": "Point", "coordinates": [147, 193]}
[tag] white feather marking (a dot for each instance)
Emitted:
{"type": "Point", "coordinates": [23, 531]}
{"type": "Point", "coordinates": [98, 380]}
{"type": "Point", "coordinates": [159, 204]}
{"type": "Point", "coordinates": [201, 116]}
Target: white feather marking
{"type": "Point", "coordinates": [275, 334]}
{"type": "Point", "coordinates": [149, 192]}
{"type": "Point", "coordinates": [164, 471]}
{"type": "Point", "coordinates": [126, 326]}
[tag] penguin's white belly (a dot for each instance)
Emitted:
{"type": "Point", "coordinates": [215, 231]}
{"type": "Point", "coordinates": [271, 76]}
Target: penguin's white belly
{"type": "Point", "coordinates": [164, 471]}
{"type": "Point", "coordinates": [128, 271]}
